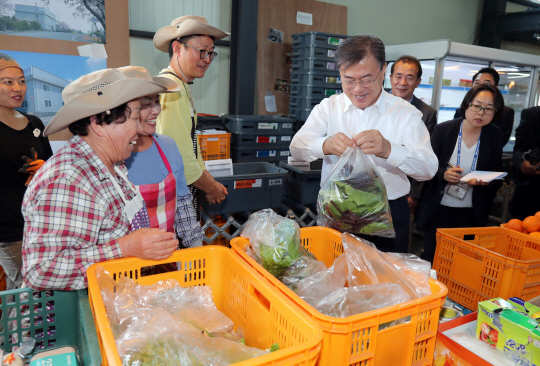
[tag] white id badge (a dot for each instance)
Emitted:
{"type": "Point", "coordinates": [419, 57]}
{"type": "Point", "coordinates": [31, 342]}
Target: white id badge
{"type": "Point", "coordinates": [192, 114]}
{"type": "Point", "coordinates": [459, 190]}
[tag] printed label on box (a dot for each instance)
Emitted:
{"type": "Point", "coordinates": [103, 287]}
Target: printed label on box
{"type": "Point", "coordinates": [266, 154]}
{"type": "Point", "coordinates": [335, 40]}
{"type": "Point", "coordinates": [537, 343]}
{"type": "Point", "coordinates": [285, 138]}
{"type": "Point", "coordinates": [213, 139]}
{"type": "Point", "coordinates": [331, 65]}
{"type": "Point", "coordinates": [250, 183]}
{"type": "Point", "coordinates": [333, 80]}
{"type": "Point", "coordinates": [268, 126]}
{"type": "Point", "coordinates": [331, 53]}
{"type": "Point", "coordinates": [287, 125]}
{"type": "Point", "coordinates": [266, 139]}
{"type": "Point", "coordinates": [285, 153]}
{"type": "Point", "coordinates": [275, 182]}
{"type": "Point", "coordinates": [328, 92]}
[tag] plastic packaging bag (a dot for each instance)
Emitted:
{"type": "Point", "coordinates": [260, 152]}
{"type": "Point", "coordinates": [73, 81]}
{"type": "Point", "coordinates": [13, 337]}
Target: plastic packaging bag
{"type": "Point", "coordinates": [367, 265]}
{"type": "Point", "coordinates": [316, 287]}
{"type": "Point", "coordinates": [483, 350]}
{"type": "Point", "coordinates": [302, 268]}
{"type": "Point", "coordinates": [354, 198]}
{"type": "Point", "coordinates": [349, 301]}
{"type": "Point", "coordinates": [275, 240]}
{"type": "Point", "coordinates": [416, 268]}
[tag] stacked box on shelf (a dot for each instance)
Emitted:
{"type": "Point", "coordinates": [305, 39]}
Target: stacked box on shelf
{"type": "Point", "coordinates": [259, 138]}
{"type": "Point", "coordinates": [314, 74]}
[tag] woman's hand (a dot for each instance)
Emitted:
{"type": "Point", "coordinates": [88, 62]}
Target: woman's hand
{"type": "Point", "coordinates": [153, 244]}
{"type": "Point", "coordinates": [475, 182]}
{"type": "Point", "coordinates": [453, 175]}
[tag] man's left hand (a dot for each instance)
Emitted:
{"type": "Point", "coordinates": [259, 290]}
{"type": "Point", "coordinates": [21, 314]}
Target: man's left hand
{"type": "Point", "coordinates": [372, 142]}
{"type": "Point", "coordinates": [413, 202]}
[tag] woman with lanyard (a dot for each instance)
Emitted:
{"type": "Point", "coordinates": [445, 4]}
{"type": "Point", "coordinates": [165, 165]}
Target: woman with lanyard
{"type": "Point", "coordinates": [463, 145]}
{"type": "Point", "coordinates": [156, 167]}
{"type": "Point", "coordinates": [80, 208]}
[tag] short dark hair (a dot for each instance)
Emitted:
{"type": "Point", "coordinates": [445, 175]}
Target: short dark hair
{"type": "Point", "coordinates": [406, 59]}
{"type": "Point", "coordinates": [498, 100]}
{"type": "Point", "coordinates": [354, 49]}
{"type": "Point", "coordinates": [118, 115]}
{"type": "Point", "coordinates": [488, 70]}
{"type": "Point", "coordinates": [185, 39]}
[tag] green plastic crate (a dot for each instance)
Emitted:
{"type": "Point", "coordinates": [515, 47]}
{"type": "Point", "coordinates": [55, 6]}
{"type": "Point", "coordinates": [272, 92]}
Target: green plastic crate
{"type": "Point", "coordinates": [53, 318]}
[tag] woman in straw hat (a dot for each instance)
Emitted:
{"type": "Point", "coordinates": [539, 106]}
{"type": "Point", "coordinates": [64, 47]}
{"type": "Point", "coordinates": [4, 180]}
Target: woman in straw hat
{"type": "Point", "coordinates": [189, 40]}
{"type": "Point", "coordinates": [156, 167]}
{"type": "Point", "coordinates": [21, 135]}
{"type": "Point", "coordinates": [80, 208]}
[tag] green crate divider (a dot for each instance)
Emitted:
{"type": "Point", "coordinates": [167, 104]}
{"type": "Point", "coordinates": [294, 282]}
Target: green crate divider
{"type": "Point", "coordinates": [71, 318]}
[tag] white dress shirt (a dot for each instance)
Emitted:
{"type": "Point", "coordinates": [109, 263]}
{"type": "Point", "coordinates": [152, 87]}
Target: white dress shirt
{"type": "Point", "coordinates": [397, 120]}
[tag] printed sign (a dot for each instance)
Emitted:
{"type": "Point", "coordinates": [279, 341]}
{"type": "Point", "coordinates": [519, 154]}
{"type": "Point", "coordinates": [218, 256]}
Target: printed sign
{"type": "Point", "coordinates": [266, 139]}
{"type": "Point", "coordinates": [249, 183]}
{"type": "Point", "coordinates": [268, 126]}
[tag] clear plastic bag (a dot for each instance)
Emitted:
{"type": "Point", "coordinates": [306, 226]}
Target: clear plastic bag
{"type": "Point", "coordinates": [483, 350]}
{"type": "Point", "coordinates": [302, 268]}
{"type": "Point", "coordinates": [354, 198]}
{"type": "Point", "coordinates": [349, 301]}
{"type": "Point", "coordinates": [316, 287]}
{"type": "Point", "coordinates": [367, 266]}
{"type": "Point", "coordinates": [274, 239]}
{"type": "Point", "coordinates": [416, 268]}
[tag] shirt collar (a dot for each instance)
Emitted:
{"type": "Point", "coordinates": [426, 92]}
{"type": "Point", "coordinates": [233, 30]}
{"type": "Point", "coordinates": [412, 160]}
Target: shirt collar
{"type": "Point", "coordinates": [380, 103]}
{"type": "Point", "coordinates": [86, 152]}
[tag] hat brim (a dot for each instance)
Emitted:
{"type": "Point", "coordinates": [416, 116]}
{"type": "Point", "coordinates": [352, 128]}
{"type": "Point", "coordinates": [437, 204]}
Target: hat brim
{"type": "Point", "coordinates": [171, 85]}
{"type": "Point", "coordinates": [165, 35]}
{"type": "Point", "coordinates": [99, 101]}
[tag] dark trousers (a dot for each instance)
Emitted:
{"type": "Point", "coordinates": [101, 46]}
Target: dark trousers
{"type": "Point", "coordinates": [401, 216]}
{"type": "Point", "coordinates": [444, 217]}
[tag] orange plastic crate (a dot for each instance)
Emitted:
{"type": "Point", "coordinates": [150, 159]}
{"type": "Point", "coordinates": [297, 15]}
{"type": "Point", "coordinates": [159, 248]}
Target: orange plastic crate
{"type": "Point", "coordinates": [357, 340]}
{"type": "Point", "coordinates": [239, 292]}
{"type": "Point", "coordinates": [220, 240]}
{"type": "Point", "coordinates": [482, 263]}
{"type": "Point", "coordinates": [215, 147]}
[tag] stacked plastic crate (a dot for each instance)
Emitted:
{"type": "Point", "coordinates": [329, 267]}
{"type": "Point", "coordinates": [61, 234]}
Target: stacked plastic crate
{"type": "Point", "coordinates": [259, 138]}
{"type": "Point", "coordinates": [314, 74]}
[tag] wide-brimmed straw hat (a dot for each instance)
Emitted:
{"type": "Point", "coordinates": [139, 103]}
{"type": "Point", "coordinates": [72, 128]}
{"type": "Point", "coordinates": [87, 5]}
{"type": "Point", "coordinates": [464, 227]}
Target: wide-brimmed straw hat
{"type": "Point", "coordinates": [185, 26]}
{"type": "Point", "coordinates": [139, 72]}
{"type": "Point", "coordinates": [98, 92]}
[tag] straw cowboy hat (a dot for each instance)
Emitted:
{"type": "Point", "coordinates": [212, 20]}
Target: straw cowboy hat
{"type": "Point", "coordinates": [102, 90]}
{"type": "Point", "coordinates": [185, 26]}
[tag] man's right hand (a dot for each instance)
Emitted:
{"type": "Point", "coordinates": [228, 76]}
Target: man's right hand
{"type": "Point", "coordinates": [337, 144]}
{"type": "Point", "coordinates": [217, 193]}
{"type": "Point", "coordinates": [529, 169]}
{"type": "Point", "coordinates": [153, 244]}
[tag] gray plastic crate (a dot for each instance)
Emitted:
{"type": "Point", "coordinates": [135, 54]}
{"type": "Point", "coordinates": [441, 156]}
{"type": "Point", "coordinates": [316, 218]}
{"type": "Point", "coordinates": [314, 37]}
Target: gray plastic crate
{"type": "Point", "coordinates": [299, 114]}
{"type": "Point", "coordinates": [303, 184]}
{"type": "Point", "coordinates": [328, 79]}
{"type": "Point", "coordinates": [309, 91]}
{"type": "Point", "coordinates": [320, 53]}
{"type": "Point", "coordinates": [313, 64]}
{"type": "Point", "coordinates": [318, 39]}
{"type": "Point", "coordinates": [259, 154]}
{"type": "Point", "coordinates": [303, 102]}
{"type": "Point", "coordinates": [248, 139]}
{"type": "Point", "coordinates": [266, 125]}
{"type": "Point", "coordinates": [252, 187]}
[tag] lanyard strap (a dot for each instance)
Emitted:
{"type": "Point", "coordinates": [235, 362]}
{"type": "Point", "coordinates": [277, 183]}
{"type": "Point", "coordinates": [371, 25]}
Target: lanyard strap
{"type": "Point", "coordinates": [473, 165]}
{"type": "Point", "coordinates": [117, 186]}
{"type": "Point", "coordinates": [163, 157]}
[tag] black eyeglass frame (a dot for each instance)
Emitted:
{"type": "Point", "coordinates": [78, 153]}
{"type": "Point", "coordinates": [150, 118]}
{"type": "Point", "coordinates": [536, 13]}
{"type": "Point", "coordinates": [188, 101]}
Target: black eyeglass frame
{"type": "Point", "coordinates": [204, 53]}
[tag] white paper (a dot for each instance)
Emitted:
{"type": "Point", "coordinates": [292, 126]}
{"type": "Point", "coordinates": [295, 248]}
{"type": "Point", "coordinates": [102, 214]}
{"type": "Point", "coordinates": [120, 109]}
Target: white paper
{"type": "Point", "coordinates": [92, 50]}
{"type": "Point", "coordinates": [304, 18]}
{"type": "Point", "coordinates": [483, 176]}
{"type": "Point", "coordinates": [294, 162]}
{"type": "Point", "coordinates": [219, 168]}
{"type": "Point", "coordinates": [270, 102]}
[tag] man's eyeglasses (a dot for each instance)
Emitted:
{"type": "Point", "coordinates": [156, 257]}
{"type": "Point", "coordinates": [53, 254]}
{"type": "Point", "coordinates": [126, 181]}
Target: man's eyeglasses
{"type": "Point", "coordinates": [204, 53]}
{"type": "Point", "coordinates": [366, 83]}
{"type": "Point", "coordinates": [478, 108]}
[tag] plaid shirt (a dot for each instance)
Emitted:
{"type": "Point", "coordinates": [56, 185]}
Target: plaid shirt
{"type": "Point", "coordinates": [73, 217]}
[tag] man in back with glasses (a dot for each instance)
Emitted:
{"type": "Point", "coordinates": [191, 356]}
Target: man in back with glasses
{"type": "Point", "coordinates": [387, 127]}
{"type": "Point", "coordinates": [189, 40]}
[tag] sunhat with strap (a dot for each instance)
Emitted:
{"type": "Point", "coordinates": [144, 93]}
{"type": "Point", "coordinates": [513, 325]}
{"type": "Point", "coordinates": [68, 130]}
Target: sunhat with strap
{"type": "Point", "coordinates": [185, 26]}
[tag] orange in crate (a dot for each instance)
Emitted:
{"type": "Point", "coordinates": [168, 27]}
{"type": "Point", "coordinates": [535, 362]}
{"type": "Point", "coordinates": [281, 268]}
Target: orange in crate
{"type": "Point", "coordinates": [238, 291]}
{"type": "Point", "coordinates": [215, 147]}
{"type": "Point", "coordinates": [220, 240]}
{"type": "Point", "coordinates": [481, 263]}
{"type": "Point", "coordinates": [360, 339]}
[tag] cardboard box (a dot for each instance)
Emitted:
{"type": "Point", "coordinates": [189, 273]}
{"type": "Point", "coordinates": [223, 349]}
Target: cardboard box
{"type": "Point", "coordinates": [485, 329]}
{"type": "Point", "coordinates": [525, 307]}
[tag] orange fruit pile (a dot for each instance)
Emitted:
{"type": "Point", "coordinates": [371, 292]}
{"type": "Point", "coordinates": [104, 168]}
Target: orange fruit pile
{"type": "Point", "coordinates": [530, 225]}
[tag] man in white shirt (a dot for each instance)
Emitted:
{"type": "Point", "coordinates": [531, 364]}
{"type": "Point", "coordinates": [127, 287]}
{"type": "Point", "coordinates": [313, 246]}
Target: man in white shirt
{"type": "Point", "coordinates": [385, 126]}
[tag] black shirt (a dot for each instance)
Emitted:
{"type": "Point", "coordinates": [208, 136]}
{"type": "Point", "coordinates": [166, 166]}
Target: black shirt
{"type": "Point", "coordinates": [13, 146]}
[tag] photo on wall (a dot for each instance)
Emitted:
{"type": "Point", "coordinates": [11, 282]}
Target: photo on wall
{"type": "Point", "coordinates": [47, 75]}
{"type": "Point", "coordinates": [66, 20]}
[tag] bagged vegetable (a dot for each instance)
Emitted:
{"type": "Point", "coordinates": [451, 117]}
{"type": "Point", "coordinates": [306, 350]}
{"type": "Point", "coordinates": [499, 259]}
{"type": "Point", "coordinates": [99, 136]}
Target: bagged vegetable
{"type": "Point", "coordinates": [354, 199]}
{"type": "Point", "coordinates": [367, 265]}
{"type": "Point", "coordinates": [275, 240]}
{"type": "Point", "coordinates": [316, 287]}
{"type": "Point", "coordinates": [302, 268]}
